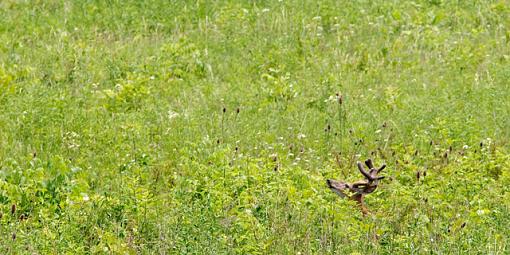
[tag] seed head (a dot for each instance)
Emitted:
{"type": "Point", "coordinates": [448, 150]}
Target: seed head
{"type": "Point", "coordinates": [339, 98]}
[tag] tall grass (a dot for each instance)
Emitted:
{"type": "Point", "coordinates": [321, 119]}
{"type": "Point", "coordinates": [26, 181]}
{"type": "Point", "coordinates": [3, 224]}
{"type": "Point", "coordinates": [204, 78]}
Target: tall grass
{"type": "Point", "coordinates": [113, 137]}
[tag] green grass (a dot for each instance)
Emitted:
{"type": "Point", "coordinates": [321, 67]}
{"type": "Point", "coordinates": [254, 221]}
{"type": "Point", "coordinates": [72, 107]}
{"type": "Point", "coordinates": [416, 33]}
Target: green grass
{"type": "Point", "coordinates": [210, 127]}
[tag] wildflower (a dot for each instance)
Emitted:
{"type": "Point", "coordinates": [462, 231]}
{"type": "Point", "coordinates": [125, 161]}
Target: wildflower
{"type": "Point", "coordinates": [340, 98]}
{"type": "Point", "coordinates": [172, 114]}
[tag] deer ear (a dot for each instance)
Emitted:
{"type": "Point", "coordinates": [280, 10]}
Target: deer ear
{"type": "Point", "coordinates": [337, 187]}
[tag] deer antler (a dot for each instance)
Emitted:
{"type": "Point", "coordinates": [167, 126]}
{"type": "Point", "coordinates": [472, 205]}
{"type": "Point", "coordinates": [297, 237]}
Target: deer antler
{"type": "Point", "coordinates": [357, 190]}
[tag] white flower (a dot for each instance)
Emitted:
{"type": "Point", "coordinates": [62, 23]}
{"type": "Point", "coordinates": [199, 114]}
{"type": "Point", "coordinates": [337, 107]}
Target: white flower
{"type": "Point", "coordinates": [301, 136]}
{"type": "Point", "coordinates": [331, 99]}
{"type": "Point", "coordinates": [172, 114]}
{"type": "Point", "coordinates": [480, 212]}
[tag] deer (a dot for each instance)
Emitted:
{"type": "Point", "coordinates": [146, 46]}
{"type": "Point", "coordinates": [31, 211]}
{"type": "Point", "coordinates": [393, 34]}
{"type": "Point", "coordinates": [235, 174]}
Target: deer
{"type": "Point", "coordinates": [357, 190]}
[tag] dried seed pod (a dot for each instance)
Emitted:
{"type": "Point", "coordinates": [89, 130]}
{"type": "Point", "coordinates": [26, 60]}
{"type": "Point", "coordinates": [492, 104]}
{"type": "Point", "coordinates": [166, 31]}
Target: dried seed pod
{"type": "Point", "coordinates": [340, 98]}
{"type": "Point", "coordinates": [13, 209]}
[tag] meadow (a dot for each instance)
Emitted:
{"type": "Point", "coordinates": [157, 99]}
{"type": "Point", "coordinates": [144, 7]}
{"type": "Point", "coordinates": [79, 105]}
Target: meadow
{"type": "Point", "coordinates": [210, 127]}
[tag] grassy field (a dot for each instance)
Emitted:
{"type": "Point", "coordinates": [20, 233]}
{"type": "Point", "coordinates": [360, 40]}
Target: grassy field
{"type": "Point", "coordinates": [210, 127]}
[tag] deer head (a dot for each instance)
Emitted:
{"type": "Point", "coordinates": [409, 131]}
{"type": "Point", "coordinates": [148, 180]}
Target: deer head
{"type": "Point", "coordinates": [357, 190]}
